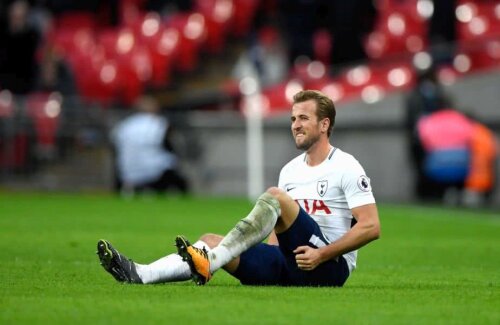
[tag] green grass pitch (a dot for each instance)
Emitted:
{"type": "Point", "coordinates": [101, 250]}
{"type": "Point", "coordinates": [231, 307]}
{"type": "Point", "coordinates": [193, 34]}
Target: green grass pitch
{"type": "Point", "coordinates": [431, 265]}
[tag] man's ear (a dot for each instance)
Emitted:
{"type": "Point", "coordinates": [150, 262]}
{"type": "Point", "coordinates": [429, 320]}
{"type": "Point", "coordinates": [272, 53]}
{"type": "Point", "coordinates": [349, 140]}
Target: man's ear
{"type": "Point", "coordinates": [325, 123]}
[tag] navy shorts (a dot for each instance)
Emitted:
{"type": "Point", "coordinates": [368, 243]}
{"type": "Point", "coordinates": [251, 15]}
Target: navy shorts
{"type": "Point", "coordinates": [265, 264]}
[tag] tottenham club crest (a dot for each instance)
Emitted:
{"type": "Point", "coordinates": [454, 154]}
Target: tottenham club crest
{"type": "Point", "coordinates": [364, 183]}
{"type": "Point", "coordinates": [322, 187]}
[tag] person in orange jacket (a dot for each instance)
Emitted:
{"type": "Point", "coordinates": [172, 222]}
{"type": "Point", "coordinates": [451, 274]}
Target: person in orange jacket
{"type": "Point", "coordinates": [481, 179]}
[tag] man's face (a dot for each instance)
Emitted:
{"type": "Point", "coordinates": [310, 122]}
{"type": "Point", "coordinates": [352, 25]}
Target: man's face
{"type": "Point", "coordinates": [306, 129]}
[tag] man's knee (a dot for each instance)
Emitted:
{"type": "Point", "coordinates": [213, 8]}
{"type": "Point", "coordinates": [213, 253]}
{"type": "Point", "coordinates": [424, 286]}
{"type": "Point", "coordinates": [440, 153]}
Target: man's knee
{"type": "Point", "coordinates": [283, 198]}
{"type": "Point", "coordinates": [278, 194]}
{"type": "Point", "coordinates": [212, 240]}
{"type": "Point", "coordinates": [289, 208]}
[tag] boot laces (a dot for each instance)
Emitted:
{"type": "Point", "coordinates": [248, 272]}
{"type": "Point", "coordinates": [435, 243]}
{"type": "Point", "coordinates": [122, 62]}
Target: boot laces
{"type": "Point", "coordinates": [201, 251]}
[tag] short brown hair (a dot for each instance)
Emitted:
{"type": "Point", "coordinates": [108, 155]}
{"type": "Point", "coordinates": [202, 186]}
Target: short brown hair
{"type": "Point", "coordinates": [324, 105]}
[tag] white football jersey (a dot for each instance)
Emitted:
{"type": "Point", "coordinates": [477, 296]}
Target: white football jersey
{"type": "Point", "coordinates": [141, 157]}
{"type": "Point", "coordinates": [328, 192]}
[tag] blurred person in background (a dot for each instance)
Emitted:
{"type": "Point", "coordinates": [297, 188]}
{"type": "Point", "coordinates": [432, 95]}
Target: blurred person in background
{"type": "Point", "coordinates": [426, 97]}
{"type": "Point", "coordinates": [299, 24]}
{"type": "Point", "coordinates": [265, 59]}
{"type": "Point", "coordinates": [481, 181]}
{"type": "Point", "coordinates": [444, 137]}
{"type": "Point", "coordinates": [454, 154]}
{"type": "Point", "coordinates": [349, 22]}
{"type": "Point", "coordinates": [442, 30]}
{"type": "Point", "coordinates": [19, 44]}
{"type": "Point", "coordinates": [144, 155]}
{"type": "Point", "coordinates": [56, 75]}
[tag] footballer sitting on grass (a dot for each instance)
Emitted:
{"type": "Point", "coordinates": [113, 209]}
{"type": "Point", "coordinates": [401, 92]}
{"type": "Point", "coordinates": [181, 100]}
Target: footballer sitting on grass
{"type": "Point", "coordinates": [322, 211]}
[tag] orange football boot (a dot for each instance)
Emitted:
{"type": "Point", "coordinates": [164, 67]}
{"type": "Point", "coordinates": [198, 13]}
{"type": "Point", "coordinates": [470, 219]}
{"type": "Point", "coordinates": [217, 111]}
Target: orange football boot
{"type": "Point", "coordinates": [196, 258]}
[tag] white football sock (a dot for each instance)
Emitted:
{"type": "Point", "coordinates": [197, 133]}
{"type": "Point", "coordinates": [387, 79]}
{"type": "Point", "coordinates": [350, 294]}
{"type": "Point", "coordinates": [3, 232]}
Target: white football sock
{"type": "Point", "coordinates": [167, 269]}
{"type": "Point", "coordinates": [248, 231]}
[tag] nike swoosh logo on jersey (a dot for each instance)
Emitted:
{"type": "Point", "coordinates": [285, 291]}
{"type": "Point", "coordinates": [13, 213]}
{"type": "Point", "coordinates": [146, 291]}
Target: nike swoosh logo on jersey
{"type": "Point", "coordinates": [289, 189]}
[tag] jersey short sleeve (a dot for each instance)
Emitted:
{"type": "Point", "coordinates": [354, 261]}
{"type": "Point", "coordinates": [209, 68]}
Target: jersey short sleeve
{"type": "Point", "coordinates": [356, 186]}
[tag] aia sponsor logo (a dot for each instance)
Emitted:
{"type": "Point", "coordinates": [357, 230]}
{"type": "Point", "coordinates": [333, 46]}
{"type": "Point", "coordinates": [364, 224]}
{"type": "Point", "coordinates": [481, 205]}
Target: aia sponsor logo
{"type": "Point", "coordinates": [314, 206]}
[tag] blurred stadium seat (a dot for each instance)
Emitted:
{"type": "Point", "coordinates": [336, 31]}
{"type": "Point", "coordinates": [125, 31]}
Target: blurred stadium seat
{"type": "Point", "coordinates": [44, 109]}
{"type": "Point", "coordinates": [400, 28]}
{"type": "Point", "coordinates": [162, 43]}
{"type": "Point", "coordinates": [244, 13]}
{"type": "Point", "coordinates": [76, 20]}
{"type": "Point", "coordinates": [97, 80]}
{"type": "Point", "coordinates": [6, 104]}
{"type": "Point", "coordinates": [146, 47]}
{"type": "Point", "coordinates": [219, 15]}
{"type": "Point", "coordinates": [192, 32]}
{"type": "Point", "coordinates": [129, 59]}
{"type": "Point", "coordinates": [322, 46]}
{"type": "Point", "coordinates": [477, 20]}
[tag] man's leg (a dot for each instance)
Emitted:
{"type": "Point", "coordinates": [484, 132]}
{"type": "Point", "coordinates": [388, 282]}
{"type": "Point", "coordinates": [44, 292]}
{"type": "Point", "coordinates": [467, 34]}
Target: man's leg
{"type": "Point", "coordinates": [116, 264]}
{"type": "Point", "coordinates": [274, 209]}
{"type": "Point", "coordinates": [167, 269]}
{"type": "Point", "coordinates": [296, 228]}
{"type": "Point", "coordinates": [248, 231]}
{"type": "Point", "coordinates": [262, 264]}
{"type": "Point", "coordinates": [212, 241]}
{"type": "Point", "coordinates": [306, 232]}
{"type": "Point", "coordinates": [289, 209]}
{"type": "Point", "coordinates": [170, 268]}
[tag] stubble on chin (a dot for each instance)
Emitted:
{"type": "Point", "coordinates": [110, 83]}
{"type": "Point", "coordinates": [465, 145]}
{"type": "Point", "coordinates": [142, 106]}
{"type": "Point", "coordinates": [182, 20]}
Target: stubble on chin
{"type": "Point", "coordinates": [305, 145]}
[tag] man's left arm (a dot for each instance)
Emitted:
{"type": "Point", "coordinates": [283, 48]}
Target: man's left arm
{"type": "Point", "coordinates": [364, 231]}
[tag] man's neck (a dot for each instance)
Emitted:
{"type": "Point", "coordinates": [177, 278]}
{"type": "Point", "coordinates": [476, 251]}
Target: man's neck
{"type": "Point", "coordinates": [318, 153]}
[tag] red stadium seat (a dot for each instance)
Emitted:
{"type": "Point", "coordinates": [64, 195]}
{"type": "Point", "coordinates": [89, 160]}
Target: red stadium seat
{"type": "Point", "coordinates": [97, 80]}
{"type": "Point", "coordinates": [244, 13]}
{"type": "Point", "coordinates": [477, 20]}
{"type": "Point", "coordinates": [44, 109]}
{"type": "Point", "coordinates": [134, 73]}
{"type": "Point", "coordinates": [401, 28]}
{"type": "Point", "coordinates": [6, 104]}
{"type": "Point", "coordinates": [322, 45]}
{"type": "Point", "coordinates": [164, 51]}
{"type": "Point", "coordinates": [218, 16]}
{"type": "Point", "coordinates": [278, 98]}
{"type": "Point", "coordinates": [73, 44]}
{"type": "Point", "coordinates": [473, 56]}
{"type": "Point", "coordinates": [14, 143]}
{"type": "Point", "coordinates": [129, 11]}
{"type": "Point", "coordinates": [363, 79]}
{"type": "Point", "coordinates": [338, 89]}
{"type": "Point", "coordinates": [75, 20]}
{"type": "Point", "coordinates": [162, 43]}
{"type": "Point", "coordinates": [309, 71]}
{"type": "Point", "coordinates": [192, 32]}
{"type": "Point", "coordinates": [396, 33]}
{"type": "Point", "coordinates": [132, 60]}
